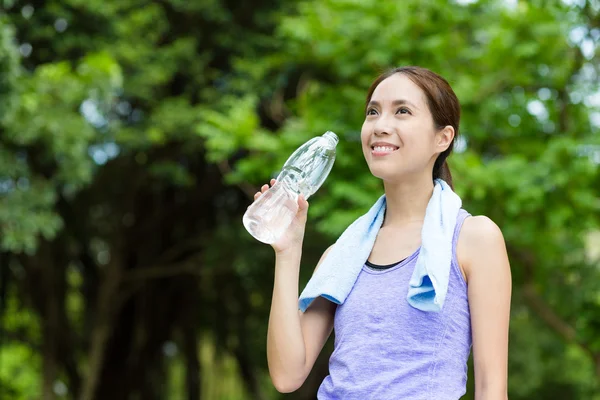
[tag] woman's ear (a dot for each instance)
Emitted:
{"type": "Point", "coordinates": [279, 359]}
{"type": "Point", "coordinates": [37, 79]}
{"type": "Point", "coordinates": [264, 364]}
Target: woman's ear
{"type": "Point", "coordinates": [444, 138]}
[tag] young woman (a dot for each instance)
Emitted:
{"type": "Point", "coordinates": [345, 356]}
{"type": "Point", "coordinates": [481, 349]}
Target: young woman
{"type": "Point", "coordinates": [384, 348]}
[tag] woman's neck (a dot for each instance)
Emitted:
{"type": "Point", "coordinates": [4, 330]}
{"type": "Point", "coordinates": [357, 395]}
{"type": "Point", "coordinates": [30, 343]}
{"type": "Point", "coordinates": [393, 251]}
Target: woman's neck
{"type": "Point", "coordinates": [406, 201]}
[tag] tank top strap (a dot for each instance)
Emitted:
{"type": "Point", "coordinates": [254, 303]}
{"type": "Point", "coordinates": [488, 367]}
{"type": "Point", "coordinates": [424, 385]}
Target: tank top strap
{"type": "Point", "coordinates": [460, 219]}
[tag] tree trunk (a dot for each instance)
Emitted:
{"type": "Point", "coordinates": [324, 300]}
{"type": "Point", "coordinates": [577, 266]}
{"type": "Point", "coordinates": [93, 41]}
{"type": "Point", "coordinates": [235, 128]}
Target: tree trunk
{"type": "Point", "coordinates": [192, 373]}
{"type": "Point", "coordinates": [102, 330]}
{"type": "Point", "coordinates": [248, 372]}
{"type": "Point", "coordinates": [49, 369]}
{"type": "Point", "coordinates": [44, 289]}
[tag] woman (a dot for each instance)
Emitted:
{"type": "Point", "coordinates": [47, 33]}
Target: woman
{"type": "Point", "coordinates": [384, 348]}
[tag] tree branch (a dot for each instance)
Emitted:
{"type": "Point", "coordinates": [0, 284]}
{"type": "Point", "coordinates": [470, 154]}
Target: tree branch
{"type": "Point", "coordinates": [179, 249]}
{"type": "Point", "coordinates": [161, 271]}
{"type": "Point", "coordinates": [20, 337]}
{"type": "Point", "coordinates": [543, 310]}
{"type": "Point", "coordinates": [547, 314]}
{"type": "Point", "coordinates": [225, 169]}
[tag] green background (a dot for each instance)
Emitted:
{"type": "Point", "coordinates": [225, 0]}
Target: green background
{"type": "Point", "coordinates": [134, 133]}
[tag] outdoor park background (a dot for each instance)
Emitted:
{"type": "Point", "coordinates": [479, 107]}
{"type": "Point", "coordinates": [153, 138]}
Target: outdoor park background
{"type": "Point", "coordinates": [133, 134]}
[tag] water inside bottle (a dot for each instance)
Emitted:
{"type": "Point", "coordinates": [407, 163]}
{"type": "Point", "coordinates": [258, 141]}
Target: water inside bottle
{"type": "Point", "coordinates": [304, 172]}
{"type": "Point", "coordinates": [269, 216]}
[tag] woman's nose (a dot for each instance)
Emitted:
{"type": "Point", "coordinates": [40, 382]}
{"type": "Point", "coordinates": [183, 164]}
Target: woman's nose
{"type": "Point", "coordinates": [383, 128]}
{"type": "Point", "coordinates": [382, 132]}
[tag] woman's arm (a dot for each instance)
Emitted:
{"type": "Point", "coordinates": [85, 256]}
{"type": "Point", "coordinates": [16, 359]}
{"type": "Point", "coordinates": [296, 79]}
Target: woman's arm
{"type": "Point", "coordinates": [483, 257]}
{"type": "Point", "coordinates": [295, 339]}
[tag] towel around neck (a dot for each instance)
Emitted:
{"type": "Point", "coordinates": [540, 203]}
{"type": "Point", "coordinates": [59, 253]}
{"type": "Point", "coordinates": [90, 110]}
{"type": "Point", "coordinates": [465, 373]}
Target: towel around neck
{"type": "Point", "coordinates": [428, 285]}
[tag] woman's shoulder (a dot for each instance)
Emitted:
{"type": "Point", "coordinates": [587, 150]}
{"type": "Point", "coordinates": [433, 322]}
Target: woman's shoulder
{"type": "Point", "coordinates": [478, 228]}
{"type": "Point", "coordinates": [479, 238]}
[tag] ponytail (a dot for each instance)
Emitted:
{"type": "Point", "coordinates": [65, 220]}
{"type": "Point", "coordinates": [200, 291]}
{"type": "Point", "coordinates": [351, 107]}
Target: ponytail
{"type": "Point", "coordinates": [446, 175]}
{"type": "Point", "coordinates": [443, 171]}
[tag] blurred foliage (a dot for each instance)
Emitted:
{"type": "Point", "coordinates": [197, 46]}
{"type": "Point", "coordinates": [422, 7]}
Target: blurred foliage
{"type": "Point", "coordinates": [134, 133]}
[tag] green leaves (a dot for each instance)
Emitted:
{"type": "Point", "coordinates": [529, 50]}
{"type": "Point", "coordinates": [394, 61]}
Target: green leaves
{"type": "Point", "coordinates": [228, 130]}
{"type": "Point", "coordinates": [45, 144]}
{"type": "Point", "coordinates": [161, 109]}
{"type": "Point", "coordinates": [9, 69]}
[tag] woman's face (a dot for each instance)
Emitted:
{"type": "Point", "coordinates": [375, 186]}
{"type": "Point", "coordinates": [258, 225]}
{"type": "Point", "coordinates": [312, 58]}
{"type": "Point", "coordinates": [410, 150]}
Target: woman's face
{"type": "Point", "coordinates": [398, 136]}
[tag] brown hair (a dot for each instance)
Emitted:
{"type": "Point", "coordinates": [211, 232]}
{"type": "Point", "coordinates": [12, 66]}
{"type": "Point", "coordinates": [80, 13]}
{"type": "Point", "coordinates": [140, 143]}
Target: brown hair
{"type": "Point", "coordinates": [443, 105]}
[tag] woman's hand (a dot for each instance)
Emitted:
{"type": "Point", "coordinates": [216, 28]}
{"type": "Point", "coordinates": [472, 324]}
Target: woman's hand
{"type": "Point", "coordinates": [293, 236]}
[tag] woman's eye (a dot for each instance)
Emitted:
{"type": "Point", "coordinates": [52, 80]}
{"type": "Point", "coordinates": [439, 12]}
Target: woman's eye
{"type": "Point", "coordinates": [371, 111]}
{"type": "Point", "coordinates": [403, 110]}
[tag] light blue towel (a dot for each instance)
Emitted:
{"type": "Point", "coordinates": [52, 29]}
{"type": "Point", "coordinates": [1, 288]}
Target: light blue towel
{"type": "Point", "coordinates": [428, 285]}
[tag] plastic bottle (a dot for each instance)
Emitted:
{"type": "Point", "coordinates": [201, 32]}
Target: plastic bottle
{"type": "Point", "coordinates": [303, 173]}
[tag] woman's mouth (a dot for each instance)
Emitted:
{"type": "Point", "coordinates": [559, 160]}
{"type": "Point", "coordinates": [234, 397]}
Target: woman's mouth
{"type": "Point", "coordinates": [379, 151]}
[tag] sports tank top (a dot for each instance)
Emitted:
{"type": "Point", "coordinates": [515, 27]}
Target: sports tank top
{"type": "Point", "coordinates": [386, 349]}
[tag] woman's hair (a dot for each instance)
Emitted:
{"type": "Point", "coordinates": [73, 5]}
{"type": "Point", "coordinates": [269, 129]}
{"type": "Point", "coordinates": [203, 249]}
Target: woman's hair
{"type": "Point", "coordinates": [443, 105]}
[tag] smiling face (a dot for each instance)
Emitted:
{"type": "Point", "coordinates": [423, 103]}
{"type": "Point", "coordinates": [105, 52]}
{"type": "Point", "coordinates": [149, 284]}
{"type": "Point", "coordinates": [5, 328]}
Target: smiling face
{"type": "Point", "coordinates": [398, 136]}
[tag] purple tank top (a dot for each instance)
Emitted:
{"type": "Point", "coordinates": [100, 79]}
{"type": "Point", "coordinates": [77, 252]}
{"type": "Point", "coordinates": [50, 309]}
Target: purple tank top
{"type": "Point", "coordinates": [386, 349]}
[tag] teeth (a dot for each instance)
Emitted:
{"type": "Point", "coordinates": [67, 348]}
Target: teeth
{"type": "Point", "coordinates": [382, 148]}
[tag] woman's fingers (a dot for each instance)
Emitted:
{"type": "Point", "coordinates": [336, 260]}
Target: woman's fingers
{"type": "Point", "coordinates": [263, 189]}
{"type": "Point", "coordinates": [302, 203]}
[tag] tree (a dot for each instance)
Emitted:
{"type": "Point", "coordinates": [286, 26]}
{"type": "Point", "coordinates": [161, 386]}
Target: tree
{"type": "Point", "coordinates": [138, 132]}
{"type": "Point", "coordinates": [111, 198]}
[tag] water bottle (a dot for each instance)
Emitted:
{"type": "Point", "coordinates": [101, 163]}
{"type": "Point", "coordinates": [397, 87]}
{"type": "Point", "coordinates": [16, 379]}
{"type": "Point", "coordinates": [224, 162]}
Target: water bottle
{"type": "Point", "coordinates": [303, 173]}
